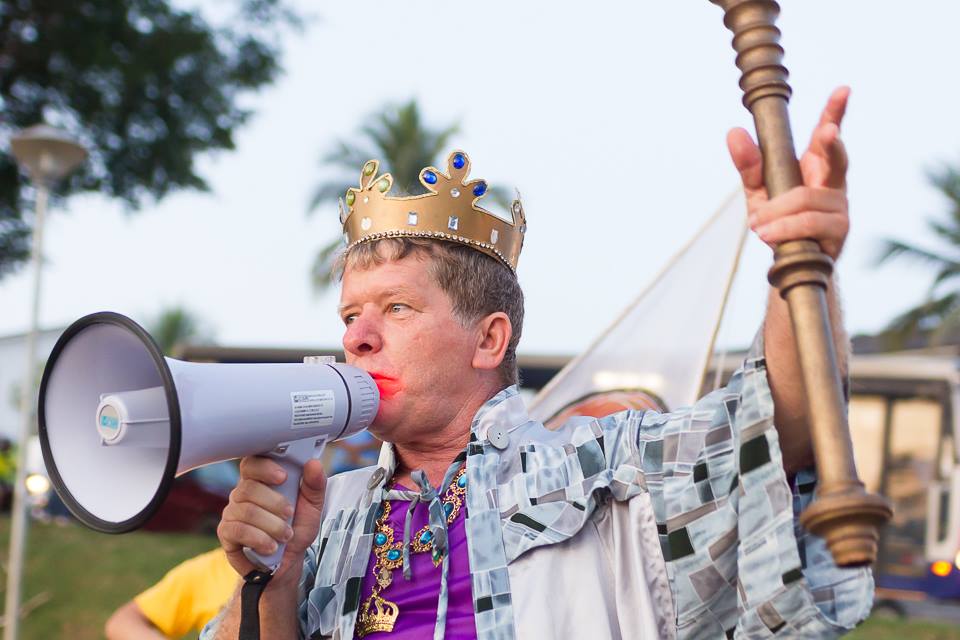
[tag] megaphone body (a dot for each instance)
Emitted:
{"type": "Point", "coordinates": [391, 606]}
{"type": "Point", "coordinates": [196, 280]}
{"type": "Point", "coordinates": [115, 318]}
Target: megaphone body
{"type": "Point", "coordinates": [119, 421]}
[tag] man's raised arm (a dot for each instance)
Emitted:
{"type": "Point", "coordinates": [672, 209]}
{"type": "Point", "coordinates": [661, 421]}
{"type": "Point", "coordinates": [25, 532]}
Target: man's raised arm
{"type": "Point", "coordinates": [817, 210]}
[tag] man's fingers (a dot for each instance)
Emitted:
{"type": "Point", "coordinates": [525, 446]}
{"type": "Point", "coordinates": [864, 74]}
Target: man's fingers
{"type": "Point", "coordinates": [262, 496]}
{"type": "Point", "coordinates": [262, 469]}
{"type": "Point", "coordinates": [234, 535]}
{"type": "Point", "coordinates": [796, 200]}
{"type": "Point", "coordinates": [746, 158]}
{"type": "Point", "coordinates": [829, 229]}
{"type": "Point", "coordinates": [313, 484]}
{"type": "Point", "coordinates": [268, 512]}
{"type": "Point", "coordinates": [836, 107]}
{"type": "Point", "coordinates": [825, 162]}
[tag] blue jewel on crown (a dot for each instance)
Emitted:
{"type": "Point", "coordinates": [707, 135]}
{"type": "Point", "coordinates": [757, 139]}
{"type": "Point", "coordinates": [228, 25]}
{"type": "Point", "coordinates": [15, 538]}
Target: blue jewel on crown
{"type": "Point", "coordinates": [458, 161]}
{"type": "Point", "coordinates": [429, 177]}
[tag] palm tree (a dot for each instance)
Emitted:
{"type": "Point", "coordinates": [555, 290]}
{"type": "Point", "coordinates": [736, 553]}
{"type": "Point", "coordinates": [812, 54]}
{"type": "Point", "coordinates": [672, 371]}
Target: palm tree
{"type": "Point", "coordinates": [940, 312]}
{"type": "Point", "coordinates": [178, 326]}
{"type": "Point", "coordinates": [399, 138]}
{"type": "Point", "coordinates": [404, 144]}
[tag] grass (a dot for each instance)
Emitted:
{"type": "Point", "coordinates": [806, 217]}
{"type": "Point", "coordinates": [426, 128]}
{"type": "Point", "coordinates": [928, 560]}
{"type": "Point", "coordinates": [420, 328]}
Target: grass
{"type": "Point", "coordinates": [881, 628]}
{"type": "Point", "coordinates": [80, 576]}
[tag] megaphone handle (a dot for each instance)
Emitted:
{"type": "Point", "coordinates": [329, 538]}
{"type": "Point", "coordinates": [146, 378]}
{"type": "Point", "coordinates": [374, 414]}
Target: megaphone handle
{"type": "Point", "coordinates": [291, 456]}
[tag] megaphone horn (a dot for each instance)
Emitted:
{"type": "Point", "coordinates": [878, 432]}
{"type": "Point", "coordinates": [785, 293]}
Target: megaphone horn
{"type": "Point", "coordinates": [119, 421]}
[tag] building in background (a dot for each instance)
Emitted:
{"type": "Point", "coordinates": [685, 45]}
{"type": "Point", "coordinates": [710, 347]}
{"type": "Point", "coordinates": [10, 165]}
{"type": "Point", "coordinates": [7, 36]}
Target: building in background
{"type": "Point", "coordinates": [13, 364]}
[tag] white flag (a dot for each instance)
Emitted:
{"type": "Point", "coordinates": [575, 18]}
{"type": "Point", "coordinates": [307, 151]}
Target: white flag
{"type": "Point", "coordinates": [662, 342]}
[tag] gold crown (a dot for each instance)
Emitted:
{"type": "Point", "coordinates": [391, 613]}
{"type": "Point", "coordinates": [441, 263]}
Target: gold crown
{"type": "Point", "coordinates": [448, 212]}
{"type": "Point", "coordinates": [383, 618]}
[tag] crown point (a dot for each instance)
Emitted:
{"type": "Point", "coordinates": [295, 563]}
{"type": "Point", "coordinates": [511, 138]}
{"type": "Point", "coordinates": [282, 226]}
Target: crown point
{"type": "Point", "coordinates": [480, 188]}
{"type": "Point", "coordinates": [459, 160]}
{"type": "Point", "coordinates": [429, 177]}
{"type": "Point", "coordinates": [351, 198]}
{"type": "Point", "coordinates": [369, 168]}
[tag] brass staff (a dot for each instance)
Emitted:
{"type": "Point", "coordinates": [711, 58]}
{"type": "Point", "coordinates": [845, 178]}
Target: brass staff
{"type": "Point", "coordinates": [843, 513]}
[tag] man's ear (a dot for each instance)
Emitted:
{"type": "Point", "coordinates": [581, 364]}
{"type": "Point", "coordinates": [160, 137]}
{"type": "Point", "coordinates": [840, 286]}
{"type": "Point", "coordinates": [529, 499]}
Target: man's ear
{"type": "Point", "coordinates": [494, 332]}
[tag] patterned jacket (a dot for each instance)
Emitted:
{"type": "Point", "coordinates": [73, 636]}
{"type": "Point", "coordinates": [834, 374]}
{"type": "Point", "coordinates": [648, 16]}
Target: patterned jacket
{"type": "Point", "coordinates": [637, 525]}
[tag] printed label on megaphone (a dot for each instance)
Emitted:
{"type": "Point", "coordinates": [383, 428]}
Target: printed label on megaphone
{"type": "Point", "coordinates": [113, 411]}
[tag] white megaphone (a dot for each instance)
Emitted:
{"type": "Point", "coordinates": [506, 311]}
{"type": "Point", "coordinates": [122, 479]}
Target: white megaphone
{"type": "Point", "coordinates": [119, 421]}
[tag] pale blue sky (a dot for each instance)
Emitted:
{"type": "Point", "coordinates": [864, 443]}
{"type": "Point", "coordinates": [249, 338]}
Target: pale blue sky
{"type": "Point", "coordinates": [609, 117]}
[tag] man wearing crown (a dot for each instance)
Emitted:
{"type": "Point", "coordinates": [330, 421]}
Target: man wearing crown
{"type": "Point", "coordinates": [478, 522]}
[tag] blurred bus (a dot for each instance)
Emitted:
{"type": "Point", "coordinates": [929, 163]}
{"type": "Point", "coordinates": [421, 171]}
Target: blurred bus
{"type": "Point", "coordinates": [903, 419]}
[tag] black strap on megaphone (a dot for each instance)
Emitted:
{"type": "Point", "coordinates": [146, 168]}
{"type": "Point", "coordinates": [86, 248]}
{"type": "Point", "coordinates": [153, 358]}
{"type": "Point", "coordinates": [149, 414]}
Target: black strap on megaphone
{"type": "Point", "coordinates": [253, 586]}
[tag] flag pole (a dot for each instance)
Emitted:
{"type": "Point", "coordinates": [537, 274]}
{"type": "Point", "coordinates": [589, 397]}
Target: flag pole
{"type": "Point", "coordinates": [843, 512]}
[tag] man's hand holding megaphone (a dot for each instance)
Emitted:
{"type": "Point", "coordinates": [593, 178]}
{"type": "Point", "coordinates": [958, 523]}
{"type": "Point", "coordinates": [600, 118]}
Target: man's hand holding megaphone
{"type": "Point", "coordinates": [256, 517]}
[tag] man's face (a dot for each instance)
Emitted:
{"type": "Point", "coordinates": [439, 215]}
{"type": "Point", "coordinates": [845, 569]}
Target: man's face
{"type": "Point", "coordinates": [400, 328]}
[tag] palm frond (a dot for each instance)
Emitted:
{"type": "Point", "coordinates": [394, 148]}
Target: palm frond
{"type": "Point", "coordinates": [326, 192]}
{"type": "Point", "coordinates": [946, 273]}
{"type": "Point", "coordinates": [322, 273]}
{"type": "Point", "coordinates": [398, 137]}
{"type": "Point", "coordinates": [948, 232]}
{"type": "Point", "coordinates": [946, 179]}
{"type": "Point", "coordinates": [896, 249]}
{"type": "Point", "coordinates": [948, 323]}
{"type": "Point", "coordinates": [925, 316]}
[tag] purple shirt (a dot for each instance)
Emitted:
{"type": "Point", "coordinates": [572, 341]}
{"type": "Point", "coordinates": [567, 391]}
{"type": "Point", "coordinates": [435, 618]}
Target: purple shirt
{"type": "Point", "coordinates": [418, 598]}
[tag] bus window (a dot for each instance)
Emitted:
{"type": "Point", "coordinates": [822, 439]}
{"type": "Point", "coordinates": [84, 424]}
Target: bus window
{"type": "Point", "coordinates": [911, 468]}
{"type": "Point", "coordinates": [867, 423]}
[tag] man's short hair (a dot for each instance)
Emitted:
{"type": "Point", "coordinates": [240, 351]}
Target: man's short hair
{"type": "Point", "coordinates": [476, 283]}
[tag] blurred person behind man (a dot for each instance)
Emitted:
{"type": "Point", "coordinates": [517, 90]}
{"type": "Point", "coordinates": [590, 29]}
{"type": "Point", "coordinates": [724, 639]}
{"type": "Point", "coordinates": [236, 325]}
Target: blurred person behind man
{"type": "Point", "coordinates": [184, 600]}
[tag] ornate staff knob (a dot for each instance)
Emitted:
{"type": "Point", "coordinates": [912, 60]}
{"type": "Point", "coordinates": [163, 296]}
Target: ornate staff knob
{"type": "Point", "coordinates": [843, 512]}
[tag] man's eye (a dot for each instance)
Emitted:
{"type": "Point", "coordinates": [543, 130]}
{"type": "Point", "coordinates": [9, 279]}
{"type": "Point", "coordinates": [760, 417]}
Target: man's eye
{"type": "Point", "coordinates": [350, 318]}
{"type": "Point", "coordinates": [397, 307]}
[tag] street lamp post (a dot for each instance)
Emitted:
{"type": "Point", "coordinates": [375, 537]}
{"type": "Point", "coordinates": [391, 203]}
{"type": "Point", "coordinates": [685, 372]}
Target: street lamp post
{"type": "Point", "coordinates": [46, 154]}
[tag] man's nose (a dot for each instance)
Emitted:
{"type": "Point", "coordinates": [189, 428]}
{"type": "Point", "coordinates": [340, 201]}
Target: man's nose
{"type": "Point", "coordinates": [362, 336]}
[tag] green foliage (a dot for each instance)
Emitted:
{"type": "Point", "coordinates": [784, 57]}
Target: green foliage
{"type": "Point", "coordinates": [74, 578]}
{"type": "Point", "coordinates": [939, 314]}
{"type": "Point", "coordinates": [144, 85]}
{"type": "Point", "coordinates": [177, 326]}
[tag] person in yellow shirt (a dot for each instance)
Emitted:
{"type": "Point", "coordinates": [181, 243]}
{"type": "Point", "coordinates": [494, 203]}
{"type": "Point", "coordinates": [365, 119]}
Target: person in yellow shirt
{"type": "Point", "coordinates": [184, 600]}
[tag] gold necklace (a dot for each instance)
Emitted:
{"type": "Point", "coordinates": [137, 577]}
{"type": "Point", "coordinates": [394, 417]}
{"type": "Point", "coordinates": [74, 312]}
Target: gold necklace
{"type": "Point", "coordinates": [378, 613]}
